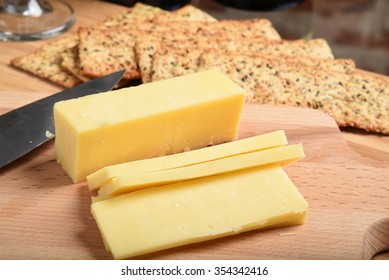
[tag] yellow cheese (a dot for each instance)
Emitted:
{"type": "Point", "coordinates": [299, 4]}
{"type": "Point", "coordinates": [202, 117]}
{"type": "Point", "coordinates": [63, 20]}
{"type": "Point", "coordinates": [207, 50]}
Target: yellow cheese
{"type": "Point", "coordinates": [255, 143]}
{"type": "Point", "coordinates": [159, 218]}
{"type": "Point", "coordinates": [124, 183]}
{"type": "Point", "coordinates": [149, 120]}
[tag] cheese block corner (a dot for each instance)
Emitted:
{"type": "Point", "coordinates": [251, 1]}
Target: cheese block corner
{"type": "Point", "coordinates": [150, 120]}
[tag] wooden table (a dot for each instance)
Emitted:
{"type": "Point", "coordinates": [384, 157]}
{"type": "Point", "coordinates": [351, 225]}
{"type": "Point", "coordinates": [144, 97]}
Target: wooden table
{"type": "Point", "coordinates": [373, 146]}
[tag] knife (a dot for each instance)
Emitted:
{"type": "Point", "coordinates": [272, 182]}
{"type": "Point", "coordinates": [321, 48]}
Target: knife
{"type": "Point", "coordinates": [27, 127]}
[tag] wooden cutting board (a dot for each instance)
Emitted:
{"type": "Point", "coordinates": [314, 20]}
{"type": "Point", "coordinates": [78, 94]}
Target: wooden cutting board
{"type": "Point", "coordinates": [44, 216]}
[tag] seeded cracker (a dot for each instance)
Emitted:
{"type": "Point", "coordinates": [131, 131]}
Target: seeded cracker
{"type": "Point", "coordinates": [71, 62]}
{"type": "Point", "coordinates": [104, 51]}
{"type": "Point", "coordinates": [145, 47]}
{"type": "Point", "coordinates": [369, 96]}
{"type": "Point", "coordinates": [352, 99]}
{"type": "Point", "coordinates": [138, 13]}
{"type": "Point", "coordinates": [100, 55]}
{"type": "Point", "coordinates": [206, 33]}
{"type": "Point", "coordinates": [169, 61]}
{"type": "Point", "coordinates": [46, 62]}
{"type": "Point", "coordinates": [145, 51]}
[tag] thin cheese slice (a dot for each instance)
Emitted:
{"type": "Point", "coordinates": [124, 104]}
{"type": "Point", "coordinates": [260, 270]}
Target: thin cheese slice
{"type": "Point", "coordinates": [124, 183]}
{"type": "Point", "coordinates": [150, 120]}
{"type": "Point", "coordinates": [251, 144]}
{"type": "Point", "coordinates": [159, 218]}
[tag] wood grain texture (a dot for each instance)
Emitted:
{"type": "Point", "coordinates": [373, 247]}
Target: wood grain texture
{"type": "Point", "coordinates": [44, 216]}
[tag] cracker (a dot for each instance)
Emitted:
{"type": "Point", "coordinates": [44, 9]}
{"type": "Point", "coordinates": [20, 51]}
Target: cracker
{"type": "Point", "coordinates": [45, 62]}
{"type": "Point", "coordinates": [230, 32]}
{"type": "Point", "coordinates": [138, 13]}
{"type": "Point", "coordinates": [71, 62]}
{"type": "Point", "coordinates": [267, 79]}
{"type": "Point", "coordinates": [102, 52]}
{"type": "Point", "coordinates": [284, 82]}
{"type": "Point", "coordinates": [246, 29]}
{"type": "Point", "coordinates": [177, 47]}
{"type": "Point", "coordinates": [183, 61]}
{"type": "Point", "coordinates": [369, 96]}
{"type": "Point", "coordinates": [105, 50]}
{"type": "Point", "coordinates": [170, 62]}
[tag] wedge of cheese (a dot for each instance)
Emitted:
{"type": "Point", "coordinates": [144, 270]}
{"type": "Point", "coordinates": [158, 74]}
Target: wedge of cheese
{"type": "Point", "coordinates": [124, 183]}
{"type": "Point", "coordinates": [247, 145]}
{"type": "Point", "coordinates": [163, 217]}
{"type": "Point", "coordinates": [150, 120]}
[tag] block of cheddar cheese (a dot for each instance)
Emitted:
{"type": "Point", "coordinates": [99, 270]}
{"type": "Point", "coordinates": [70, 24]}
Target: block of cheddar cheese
{"type": "Point", "coordinates": [150, 120]}
{"type": "Point", "coordinates": [202, 209]}
{"type": "Point", "coordinates": [233, 148]}
{"type": "Point", "coordinates": [127, 182]}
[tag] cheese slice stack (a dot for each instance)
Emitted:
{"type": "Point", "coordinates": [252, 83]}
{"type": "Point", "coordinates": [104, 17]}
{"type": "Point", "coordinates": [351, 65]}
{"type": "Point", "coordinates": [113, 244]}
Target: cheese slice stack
{"type": "Point", "coordinates": [124, 183]}
{"type": "Point", "coordinates": [243, 146]}
{"type": "Point", "coordinates": [161, 207]}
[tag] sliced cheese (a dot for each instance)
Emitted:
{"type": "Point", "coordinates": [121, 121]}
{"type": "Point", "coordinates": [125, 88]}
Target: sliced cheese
{"type": "Point", "coordinates": [159, 218]}
{"type": "Point", "coordinates": [124, 183]}
{"type": "Point", "coordinates": [150, 120]}
{"type": "Point", "coordinates": [250, 144]}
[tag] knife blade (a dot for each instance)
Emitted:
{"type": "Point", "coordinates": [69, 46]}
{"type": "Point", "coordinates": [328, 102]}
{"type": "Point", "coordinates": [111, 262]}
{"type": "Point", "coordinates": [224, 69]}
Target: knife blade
{"type": "Point", "coordinates": [28, 127]}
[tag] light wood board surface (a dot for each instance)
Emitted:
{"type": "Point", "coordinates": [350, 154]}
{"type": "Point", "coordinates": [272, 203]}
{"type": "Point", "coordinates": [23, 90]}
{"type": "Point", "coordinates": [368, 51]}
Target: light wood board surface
{"type": "Point", "coordinates": [44, 216]}
{"type": "Point", "coordinates": [36, 183]}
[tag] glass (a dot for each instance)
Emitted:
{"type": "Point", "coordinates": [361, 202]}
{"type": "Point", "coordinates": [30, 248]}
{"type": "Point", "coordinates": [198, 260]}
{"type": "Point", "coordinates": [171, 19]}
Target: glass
{"type": "Point", "coordinates": [25, 20]}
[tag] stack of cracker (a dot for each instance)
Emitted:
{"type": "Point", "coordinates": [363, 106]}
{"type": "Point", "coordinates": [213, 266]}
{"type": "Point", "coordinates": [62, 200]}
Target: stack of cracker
{"type": "Point", "coordinates": [152, 44]}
